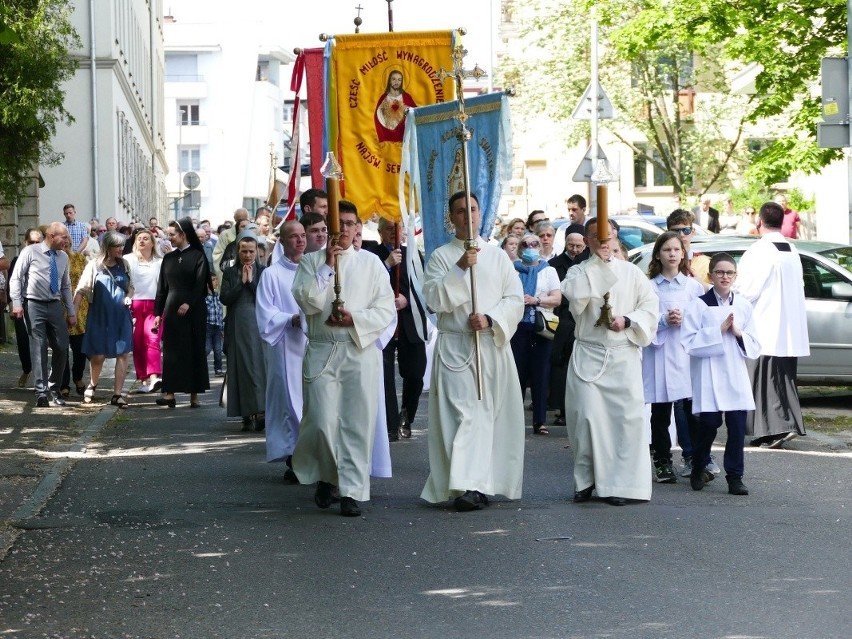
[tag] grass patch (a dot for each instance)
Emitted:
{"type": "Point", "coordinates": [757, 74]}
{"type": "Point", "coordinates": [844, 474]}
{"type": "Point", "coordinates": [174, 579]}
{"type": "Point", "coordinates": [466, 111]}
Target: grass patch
{"type": "Point", "coordinates": [828, 425]}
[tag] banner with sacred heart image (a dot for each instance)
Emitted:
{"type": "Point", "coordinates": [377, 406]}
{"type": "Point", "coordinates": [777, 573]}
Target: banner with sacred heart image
{"type": "Point", "coordinates": [372, 81]}
{"type": "Point", "coordinates": [432, 163]}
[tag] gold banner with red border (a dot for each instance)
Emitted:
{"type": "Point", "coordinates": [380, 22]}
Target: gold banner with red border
{"type": "Point", "coordinates": [376, 78]}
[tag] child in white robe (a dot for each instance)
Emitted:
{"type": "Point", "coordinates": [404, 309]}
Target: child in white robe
{"type": "Point", "coordinates": [719, 333]}
{"type": "Point", "coordinates": [665, 364]}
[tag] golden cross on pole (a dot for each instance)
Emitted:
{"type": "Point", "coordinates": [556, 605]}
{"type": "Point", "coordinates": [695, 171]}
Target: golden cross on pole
{"type": "Point", "coordinates": [458, 74]}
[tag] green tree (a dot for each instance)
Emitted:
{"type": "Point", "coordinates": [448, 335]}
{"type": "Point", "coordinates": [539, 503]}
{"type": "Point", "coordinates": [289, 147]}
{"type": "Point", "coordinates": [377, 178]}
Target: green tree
{"type": "Point", "coordinates": [656, 53]}
{"type": "Point", "coordinates": [35, 39]}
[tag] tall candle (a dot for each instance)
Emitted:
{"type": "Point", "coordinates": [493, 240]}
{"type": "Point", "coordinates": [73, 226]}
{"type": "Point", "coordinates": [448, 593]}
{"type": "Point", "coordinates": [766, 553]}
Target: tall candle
{"type": "Point", "coordinates": [332, 187]}
{"type": "Point", "coordinates": [602, 213]}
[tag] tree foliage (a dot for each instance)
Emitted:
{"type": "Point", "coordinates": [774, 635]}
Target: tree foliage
{"type": "Point", "coordinates": [655, 53]}
{"type": "Point", "coordinates": [35, 38]}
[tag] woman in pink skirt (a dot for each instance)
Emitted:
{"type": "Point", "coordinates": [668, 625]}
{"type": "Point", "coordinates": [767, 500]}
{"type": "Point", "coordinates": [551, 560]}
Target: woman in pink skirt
{"type": "Point", "coordinates": [145, 262]}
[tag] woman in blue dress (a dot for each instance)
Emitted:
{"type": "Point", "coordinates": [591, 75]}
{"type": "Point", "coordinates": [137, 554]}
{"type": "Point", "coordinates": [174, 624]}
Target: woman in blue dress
{"type": "Point", "coordinates": [107, 285]}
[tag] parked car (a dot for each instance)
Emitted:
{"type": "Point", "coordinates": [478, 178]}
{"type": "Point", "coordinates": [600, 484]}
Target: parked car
{"type": "Point", "coordinates": [827, 271]}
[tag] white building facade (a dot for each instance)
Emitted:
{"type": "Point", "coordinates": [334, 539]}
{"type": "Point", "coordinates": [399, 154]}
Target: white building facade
{"type": "Point", "coordinates": [115, 163]}
{"type": "Point", "coordinates": [224, 104]}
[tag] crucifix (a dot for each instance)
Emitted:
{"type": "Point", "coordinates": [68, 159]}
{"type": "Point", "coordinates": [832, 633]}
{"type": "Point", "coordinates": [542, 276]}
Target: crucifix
{"type": "Point", "coordinates": [463, 135]}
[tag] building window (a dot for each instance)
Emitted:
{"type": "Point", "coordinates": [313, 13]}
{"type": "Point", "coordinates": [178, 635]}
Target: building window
{"type": "Point", "coordinates": [190, 158]}
{"type": "Point", "coordinates": [645, 172]}
{"type": "Point", "coordinates": [262, 71]}
{"type": "Point", "coordinates": [188, 114]}
{"type": "Point", "coordinates": [288, 111]}
{"type": "Point", "coordinates": [182, 68]}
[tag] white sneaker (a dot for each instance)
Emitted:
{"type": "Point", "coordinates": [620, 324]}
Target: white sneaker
{"type": "Point", "coordinates": [144, 388]}
{"type": "Point", "coordinates": [712, 467]}
{"type": "Point", "coordinates": [686, 468]}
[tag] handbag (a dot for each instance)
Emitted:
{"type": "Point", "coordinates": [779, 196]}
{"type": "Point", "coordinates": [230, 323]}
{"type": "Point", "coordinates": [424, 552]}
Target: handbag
{"type": "Point", "coordinates": [546, 323]}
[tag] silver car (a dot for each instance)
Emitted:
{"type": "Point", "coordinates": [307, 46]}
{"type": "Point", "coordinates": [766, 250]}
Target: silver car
{"type": "Point", "coordinates": [827, 271]}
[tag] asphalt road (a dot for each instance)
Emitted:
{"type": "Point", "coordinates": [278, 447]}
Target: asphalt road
{"type": "Point", "coordinates": [170, 524]}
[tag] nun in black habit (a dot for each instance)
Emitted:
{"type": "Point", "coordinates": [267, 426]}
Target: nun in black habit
{"type": "Point", "coordinates": [181, 313]}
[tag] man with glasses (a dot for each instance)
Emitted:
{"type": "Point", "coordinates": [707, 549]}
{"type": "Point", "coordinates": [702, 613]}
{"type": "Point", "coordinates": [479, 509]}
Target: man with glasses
{"type": "Point", "coordinates": [771, 279]}
{"type": "Point", "coordinates": [683, 222]}
{"type": "Point", "coordinates": [341, 367]}
{"type": "Point", "coordinates": [41, 294]}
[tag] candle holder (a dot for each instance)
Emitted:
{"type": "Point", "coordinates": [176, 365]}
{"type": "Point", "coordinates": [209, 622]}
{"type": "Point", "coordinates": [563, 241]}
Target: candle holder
{"type": "Point", "coordinates": [333, 173]}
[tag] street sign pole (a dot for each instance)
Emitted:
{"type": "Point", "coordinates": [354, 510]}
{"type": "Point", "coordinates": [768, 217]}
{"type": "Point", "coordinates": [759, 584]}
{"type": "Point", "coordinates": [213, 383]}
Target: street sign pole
{"type": "Point", "coordinates": [595, 93]}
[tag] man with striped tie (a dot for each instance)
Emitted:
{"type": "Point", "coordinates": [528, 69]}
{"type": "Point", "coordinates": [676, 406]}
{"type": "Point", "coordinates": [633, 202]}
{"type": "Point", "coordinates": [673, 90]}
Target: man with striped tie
{"type": "Point", "coordinates": [41, 294]}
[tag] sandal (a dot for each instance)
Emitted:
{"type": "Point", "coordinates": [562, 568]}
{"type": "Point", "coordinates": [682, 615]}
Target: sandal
{"type": "Point", "coordinates": [89, 394]}
{"type": "Point", "coordinates": [540, 429]}
{"type": "Point", "coordinates": [118, 400]}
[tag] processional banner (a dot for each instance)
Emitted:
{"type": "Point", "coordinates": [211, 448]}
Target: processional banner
{"type": "Point", "coordinates": [372, 80]}
{"type": "Point", "coordinates": [432, 163]}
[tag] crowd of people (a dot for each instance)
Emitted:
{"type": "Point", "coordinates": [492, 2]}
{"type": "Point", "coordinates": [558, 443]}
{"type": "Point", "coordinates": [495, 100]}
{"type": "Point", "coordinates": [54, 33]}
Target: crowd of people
{"type": "Point", "coordinates": [313, 331]}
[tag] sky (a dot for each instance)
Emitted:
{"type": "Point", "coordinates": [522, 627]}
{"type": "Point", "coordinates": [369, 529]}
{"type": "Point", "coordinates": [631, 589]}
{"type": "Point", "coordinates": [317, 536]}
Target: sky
{"type": "Point", "coordinates": [336, 16]}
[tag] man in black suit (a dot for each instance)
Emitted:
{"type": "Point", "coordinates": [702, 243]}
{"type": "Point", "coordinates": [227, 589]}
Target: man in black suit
{"type": "Point", "coordinates": [407, 345]}
{"type": "Point", "coordinates": [707, 216]}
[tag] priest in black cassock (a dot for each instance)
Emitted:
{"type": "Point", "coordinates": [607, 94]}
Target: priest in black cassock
{"type": "Point", "coordinates": [182, 315]}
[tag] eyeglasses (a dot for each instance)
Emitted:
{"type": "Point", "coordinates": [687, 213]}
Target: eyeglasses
{"type": "Point", "coordinates": [684, 230]}
{"type": "Point", "coordinates": [530, 244]}
{"type": "Point", "coordinates": [724, 273]}
{"type": "Point", "coordinates": [348, 224]}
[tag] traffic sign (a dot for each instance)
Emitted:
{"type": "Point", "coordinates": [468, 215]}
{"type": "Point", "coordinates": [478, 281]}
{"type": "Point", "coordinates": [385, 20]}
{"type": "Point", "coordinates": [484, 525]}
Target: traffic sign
{"type": "Point", "coordinates": [586, 168]}
{"type": "Point", "coordinates": [584, 109]}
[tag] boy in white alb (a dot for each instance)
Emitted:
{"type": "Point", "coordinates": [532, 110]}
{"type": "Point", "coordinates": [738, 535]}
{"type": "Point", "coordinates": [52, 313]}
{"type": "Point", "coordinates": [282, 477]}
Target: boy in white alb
{"type": "Point", "coordinates": [719, 333]}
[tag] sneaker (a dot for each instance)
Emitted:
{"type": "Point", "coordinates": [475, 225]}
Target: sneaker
{"type": "Point", "coordinates": [712, 467]}
{"type": "Point", "coordinates": [56, 399]}
{"type": "Point", "coordinates": [42, 401]}
{"type": "Point", "coordinates": [686, 468]}
{"type": "Point", "coordinates": [144, 388]}
{"type": "Point", "coordinates": [663, 474]}
{"type": "Point", "coordinates": [219, 373]}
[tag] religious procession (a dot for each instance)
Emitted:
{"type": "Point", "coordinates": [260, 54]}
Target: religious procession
{"type": "Point", "coordinates": [310, 322]}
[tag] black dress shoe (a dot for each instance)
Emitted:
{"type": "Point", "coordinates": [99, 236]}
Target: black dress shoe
{"type": "Point", "coordinates": [322, 497]}
{"type": "Point", "coordinates": [736, 486]}
{"type": "Point", "coordinates": [162, 401]}
{"type": "Point", "coordinates": [246, 424]}
{"type": "Point", "coordinates": [393, 436]}
{"type": "Point", "coordinates": [583, 495]}
{"type": "Point", "coordinates": [290, 477]}
{"type": "Point", "coordinates": [404, 425]}
{"type": "Point", "coordinates": [471, 500]}
{"type": "Point", "coordinates": [349, 507]}
{"type": "Point", "coordinates": [616, 501]}
{"type": "Point", "coordinates": [559, 421]}
{"type": "Point", "coordinates": [696, 480]}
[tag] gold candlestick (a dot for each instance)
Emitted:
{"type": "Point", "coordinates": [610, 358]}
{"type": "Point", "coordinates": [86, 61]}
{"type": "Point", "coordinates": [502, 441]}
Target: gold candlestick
{"type": "Point", "coordinates": [606, 317]}
{"type": "Point", "coordinates": [333, 173]}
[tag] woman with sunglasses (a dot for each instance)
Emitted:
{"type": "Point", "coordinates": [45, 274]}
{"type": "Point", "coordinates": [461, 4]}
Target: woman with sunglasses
{"type": "Point", "coordinates": [532, 351]}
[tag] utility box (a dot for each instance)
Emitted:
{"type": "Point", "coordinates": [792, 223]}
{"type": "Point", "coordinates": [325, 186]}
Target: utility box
{"type": "Point", "coordinates": [833, 131]}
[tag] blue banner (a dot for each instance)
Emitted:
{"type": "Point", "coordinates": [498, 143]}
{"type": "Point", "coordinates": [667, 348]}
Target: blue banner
{"type": "Point", "coordinates": [432, 164]}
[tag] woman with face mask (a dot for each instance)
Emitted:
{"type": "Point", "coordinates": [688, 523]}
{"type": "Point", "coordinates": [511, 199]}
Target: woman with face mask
{"type": "Point", "coordinates": [532, 351]}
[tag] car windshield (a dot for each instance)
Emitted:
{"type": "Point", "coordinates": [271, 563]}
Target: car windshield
{"type": "Point", "coordinates": [842, 255]}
